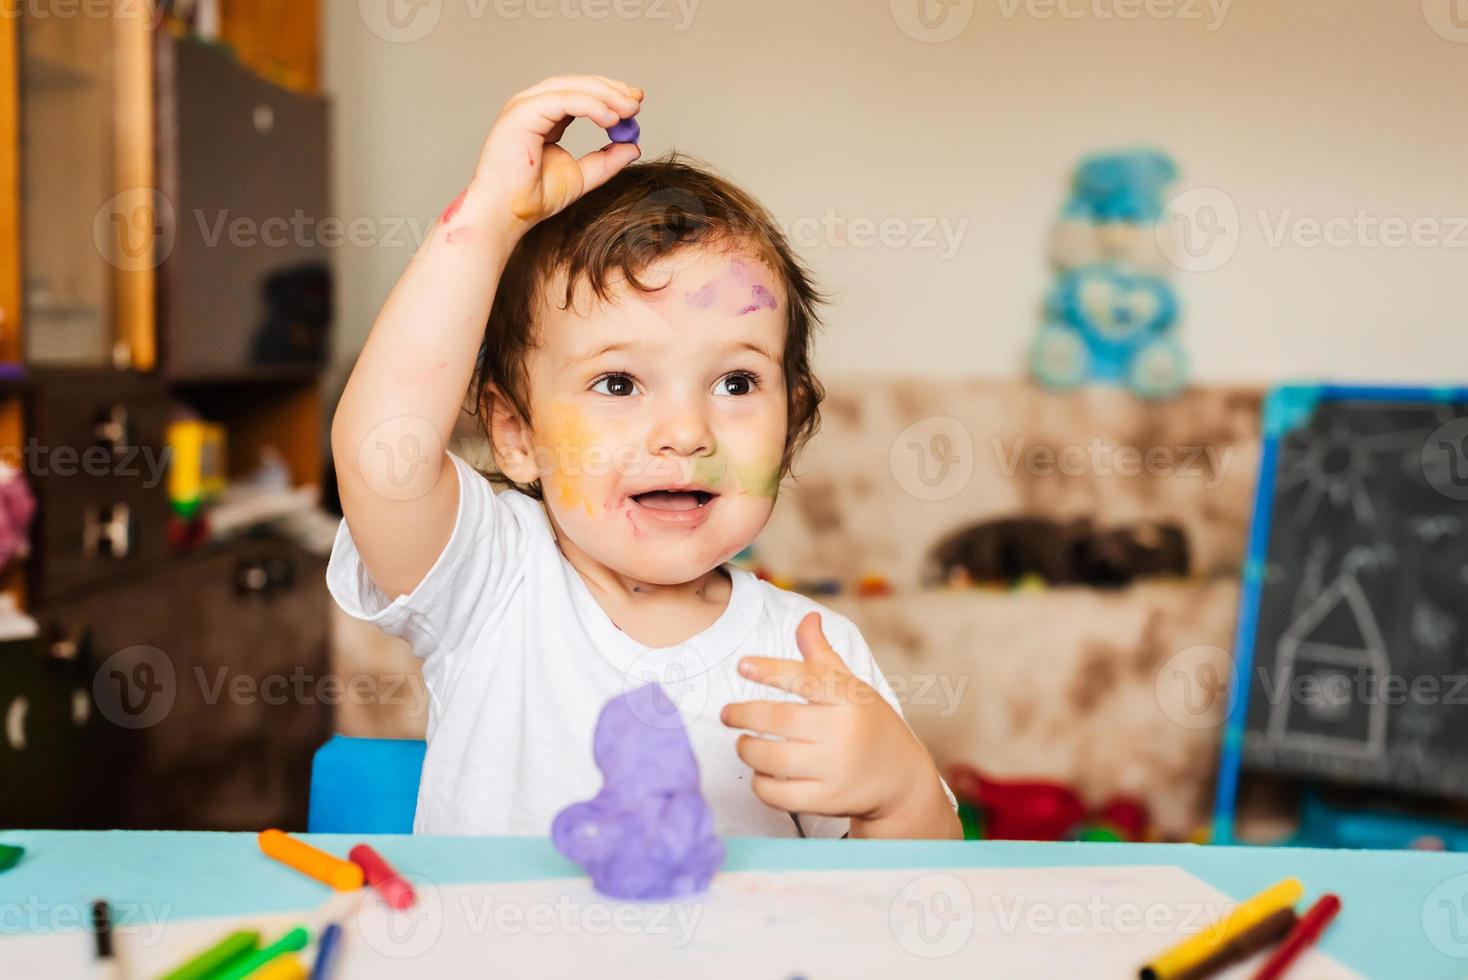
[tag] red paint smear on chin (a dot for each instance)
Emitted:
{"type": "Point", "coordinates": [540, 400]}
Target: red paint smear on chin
{"type": "Point", "coordinates": [453, 208]}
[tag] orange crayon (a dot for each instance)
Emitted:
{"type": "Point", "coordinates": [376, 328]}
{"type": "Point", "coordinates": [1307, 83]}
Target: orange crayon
{"type": "Point", "coordinates": [344, 876]}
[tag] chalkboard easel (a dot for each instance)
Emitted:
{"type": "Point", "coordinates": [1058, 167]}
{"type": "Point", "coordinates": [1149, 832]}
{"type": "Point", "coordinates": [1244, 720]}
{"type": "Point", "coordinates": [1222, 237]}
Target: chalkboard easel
{"type": "Point", "coordinates": [1351, 653]}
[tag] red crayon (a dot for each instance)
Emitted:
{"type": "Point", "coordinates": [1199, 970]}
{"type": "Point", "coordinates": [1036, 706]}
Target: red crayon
{"type": "Point", "coordinates": [393, 887]}
{"type": "Point", "coordinates": [1306, 931]}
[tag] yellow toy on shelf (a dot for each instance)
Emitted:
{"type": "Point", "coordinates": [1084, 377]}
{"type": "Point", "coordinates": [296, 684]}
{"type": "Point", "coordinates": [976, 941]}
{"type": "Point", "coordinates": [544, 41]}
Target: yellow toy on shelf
{"type": "Point", "coordinates": [196, 464]}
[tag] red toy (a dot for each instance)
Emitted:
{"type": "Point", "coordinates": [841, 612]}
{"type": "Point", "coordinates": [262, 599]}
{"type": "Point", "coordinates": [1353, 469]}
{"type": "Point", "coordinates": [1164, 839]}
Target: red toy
{"type": "Point", "coordinates": [1039, 810]}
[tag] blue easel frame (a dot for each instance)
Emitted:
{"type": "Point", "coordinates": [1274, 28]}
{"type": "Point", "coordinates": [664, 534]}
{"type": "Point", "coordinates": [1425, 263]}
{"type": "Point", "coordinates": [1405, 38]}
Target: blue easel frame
{"type": "Point", "coordinates": [1286, 408]}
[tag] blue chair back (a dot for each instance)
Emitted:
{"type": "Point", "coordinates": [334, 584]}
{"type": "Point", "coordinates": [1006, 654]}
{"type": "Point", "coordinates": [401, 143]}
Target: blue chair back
{"type": "Point", "coordinates": [365, 785]}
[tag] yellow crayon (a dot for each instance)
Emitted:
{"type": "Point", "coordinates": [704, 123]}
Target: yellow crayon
{"type": "Point", "coordinates": [1193, 950]}
{"type": "Point", "coordinates": [287, 966]}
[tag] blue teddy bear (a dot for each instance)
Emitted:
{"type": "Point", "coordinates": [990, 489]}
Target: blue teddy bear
{"type": "Point", "coordinates": [1120, 187]}
{"type": "Point", "coordinates": [1112, 213]}
{"type": "Point", "coordinates": [1104, 323]}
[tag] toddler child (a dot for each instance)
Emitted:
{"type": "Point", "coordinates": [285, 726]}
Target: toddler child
{"type": "Point", "coordinates": [644, 379]}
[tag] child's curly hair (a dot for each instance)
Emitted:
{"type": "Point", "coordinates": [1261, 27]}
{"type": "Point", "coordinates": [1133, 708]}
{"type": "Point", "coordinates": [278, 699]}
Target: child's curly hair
{"type": "Point", "coordinates": [613, 234]}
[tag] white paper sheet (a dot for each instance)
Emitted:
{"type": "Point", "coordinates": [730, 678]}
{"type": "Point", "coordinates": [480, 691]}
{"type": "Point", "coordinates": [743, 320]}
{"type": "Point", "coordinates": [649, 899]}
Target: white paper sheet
{"type": "Point", "coordinates": [970, 923]}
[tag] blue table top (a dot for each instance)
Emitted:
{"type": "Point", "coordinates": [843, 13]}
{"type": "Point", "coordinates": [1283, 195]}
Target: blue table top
{"type": "Point", "coordinates": [1403, 913]}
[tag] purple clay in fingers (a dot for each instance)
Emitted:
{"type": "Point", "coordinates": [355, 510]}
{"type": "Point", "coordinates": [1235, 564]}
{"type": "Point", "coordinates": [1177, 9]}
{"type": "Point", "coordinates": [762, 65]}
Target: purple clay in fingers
{"type": "Point", "coordinates": [648, 834]}
{"type": "Point", "coordinates": [626, 131]}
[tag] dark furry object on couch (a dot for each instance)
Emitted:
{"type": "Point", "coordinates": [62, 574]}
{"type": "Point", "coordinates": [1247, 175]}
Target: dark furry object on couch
{"type": "Point", "coordinates": [1061, 552]}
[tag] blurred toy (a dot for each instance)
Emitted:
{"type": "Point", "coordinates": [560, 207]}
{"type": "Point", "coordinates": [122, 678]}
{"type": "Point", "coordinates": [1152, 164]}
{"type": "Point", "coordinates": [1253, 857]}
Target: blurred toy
{"type": "Point", "coordinates": [821, 586]}
{"type": "Point", "coordinates": [873, 585]}
{"type": "Point", "coordinates": [1325, 824]}
{"type": "Point", "coordinates": [1042, 810]}
{"type": "Point", "coordinates": [1034, 552]}
{"type": "Point", "coordinates": [196, 466]}
{"type": "Point", "coordinates": [1116, 200]}
{"type": "Point", "coordinates": [17, 509]}
{"type": "Point", "coordinates": [972, 820]}
{"type": "Point", "coordinates": [1111, 314]}
{"type": "Point", "coordinates": [1105, 324]}
{"type": "Point", "coordinates": [1124, 186]}
{"type": "Point", "coordinates": [1127, 815]}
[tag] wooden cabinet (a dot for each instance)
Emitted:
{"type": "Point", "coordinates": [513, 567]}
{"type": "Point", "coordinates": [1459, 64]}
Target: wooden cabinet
{"type": "Point", "coordinates": [209, 684]}
{"type": "Point", "coordinates": [233, 635]}
{"type": "Point", "coordinates": [96, 458]}
{"type": "Point", "coordinates": [89, 221]}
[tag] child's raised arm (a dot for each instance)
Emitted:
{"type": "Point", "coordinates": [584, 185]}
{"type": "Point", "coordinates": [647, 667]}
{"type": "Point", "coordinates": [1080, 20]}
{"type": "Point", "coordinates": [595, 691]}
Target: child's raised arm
{"type": "Point", "coordinates": [398, 487]}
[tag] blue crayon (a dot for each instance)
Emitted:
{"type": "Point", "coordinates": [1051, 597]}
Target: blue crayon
{"type": "Point", "coordinates": [326, 952]}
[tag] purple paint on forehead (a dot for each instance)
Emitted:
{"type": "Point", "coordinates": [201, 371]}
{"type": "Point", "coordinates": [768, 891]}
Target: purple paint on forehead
{"type": "Point", "coordinates": [763, 300]}
{"type": "Point", "coordinates": [703, 297]}
{"type": "Point", "coordinates": [741, 270]}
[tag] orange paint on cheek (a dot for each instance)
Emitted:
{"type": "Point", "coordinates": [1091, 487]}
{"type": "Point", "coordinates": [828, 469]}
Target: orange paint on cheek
{"type": "Point", "coordinates": [570, 438]}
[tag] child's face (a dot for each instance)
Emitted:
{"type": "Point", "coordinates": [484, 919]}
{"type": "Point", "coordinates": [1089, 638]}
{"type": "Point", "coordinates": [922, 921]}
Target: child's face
{"type": "Point", "coordinates": [660, 418]}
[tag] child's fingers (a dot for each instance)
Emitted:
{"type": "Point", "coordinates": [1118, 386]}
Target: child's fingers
{"type": "Point", "coordinates": [790, 795]}
{"type": "Point", "coordinates": [559, 129]}
{"type": "Point", "coordinates": [624, 98]}
{"type": "Point", "coordinates": [628, 89]}
{"type": "Point", "coordinates": [544, 112]}
{"type": "Point", "coordinates": [597, 168]}
{"type": "Point", "coordinates": [772, 757]}
{"type": "Point", "coordinates": [815, 684]}
{"type": "Point", "coordinates": [782, 718]}
{"type": "Point", "coordinates": [811, 639]}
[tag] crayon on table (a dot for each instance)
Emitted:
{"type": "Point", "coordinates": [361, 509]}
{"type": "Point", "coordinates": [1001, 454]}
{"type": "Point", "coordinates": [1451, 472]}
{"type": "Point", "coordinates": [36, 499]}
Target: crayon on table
{"type": "Point", "coordinates": [292, 942]}
{"type": "Point", "coordinates": [344, 876]}
{"type": "Point", "coordinates": [1306, 932]}
{"type": "Point", "coordinates": [102, 929]}
{"type": "Point", "coordinates": [327, 947]}
{"type": "Point", "coordinates": [1263, 934]}
{"type": "Point", "coordinates": [10, 855]}
{"type": "Point", "coordinates": [392, 886]}
{"type": "Point", "coordinates": [232, 947]}
{"type": "Point", "coordinates": [1244, 916]}
{"type": "Point", "coordinates": [286, 966]}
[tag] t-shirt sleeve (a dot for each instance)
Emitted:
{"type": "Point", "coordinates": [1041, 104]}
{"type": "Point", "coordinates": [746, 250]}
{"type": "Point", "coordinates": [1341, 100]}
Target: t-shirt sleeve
{"type": "Point", "coordinates": [477, 568]}
{"type": "Point", "coordinates": [847, 640]}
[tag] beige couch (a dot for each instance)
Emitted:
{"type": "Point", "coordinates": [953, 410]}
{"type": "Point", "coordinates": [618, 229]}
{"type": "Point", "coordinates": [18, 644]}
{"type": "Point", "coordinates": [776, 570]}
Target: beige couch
{"type": "Point", "coordinates": [1111, 692]}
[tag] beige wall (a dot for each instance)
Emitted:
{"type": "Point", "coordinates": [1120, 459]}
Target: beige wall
{"type": "Point", "coordinates": [1304, 110]}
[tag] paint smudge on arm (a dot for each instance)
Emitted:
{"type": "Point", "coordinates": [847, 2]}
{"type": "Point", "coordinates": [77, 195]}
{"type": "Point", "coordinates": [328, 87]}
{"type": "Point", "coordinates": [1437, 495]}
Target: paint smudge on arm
{"type": "Point", "coordinates": [453, 208]}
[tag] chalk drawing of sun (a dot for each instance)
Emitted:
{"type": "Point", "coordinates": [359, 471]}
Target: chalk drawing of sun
{"type": "Point", "coordinates": [1333, 465]}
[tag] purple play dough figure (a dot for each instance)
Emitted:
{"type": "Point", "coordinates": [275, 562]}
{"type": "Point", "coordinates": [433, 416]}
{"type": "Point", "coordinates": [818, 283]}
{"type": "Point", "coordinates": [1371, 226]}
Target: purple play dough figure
{"type": "Point", "coordinates": [648, 834]}
{"type": "Point", "coordinates": [626, 131]}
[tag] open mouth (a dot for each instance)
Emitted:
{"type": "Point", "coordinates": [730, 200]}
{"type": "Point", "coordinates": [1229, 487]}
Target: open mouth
{"type": "Point", "coordinates": [674, 500]}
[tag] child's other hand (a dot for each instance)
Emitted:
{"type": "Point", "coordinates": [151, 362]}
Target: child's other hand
{"type": "Point", "coordinates": [843, 753]}
{"type": "Point", "coordinates": [523, 175]}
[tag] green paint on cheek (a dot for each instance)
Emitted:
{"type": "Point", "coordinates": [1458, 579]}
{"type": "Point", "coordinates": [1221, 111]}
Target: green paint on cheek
{"type": "Point", "coordinates": [759, 478]}
{"type": "Point", "coordinates": [710, 470]}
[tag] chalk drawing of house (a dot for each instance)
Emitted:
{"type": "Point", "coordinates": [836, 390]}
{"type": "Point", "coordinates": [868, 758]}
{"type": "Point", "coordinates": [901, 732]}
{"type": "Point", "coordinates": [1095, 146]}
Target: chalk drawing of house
{"type": "Point", "coordinates": [1333, 648]}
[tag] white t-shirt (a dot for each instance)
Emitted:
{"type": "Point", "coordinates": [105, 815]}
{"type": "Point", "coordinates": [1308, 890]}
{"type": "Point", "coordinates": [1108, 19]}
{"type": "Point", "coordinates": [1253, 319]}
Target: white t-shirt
{"type": "Point", "coordinates": [519, 659]}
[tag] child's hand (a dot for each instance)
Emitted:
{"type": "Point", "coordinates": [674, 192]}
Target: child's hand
{"type": "Point", "coordinates": [844, 753]}
{"type": "Point", "coordinates": [523, 176]}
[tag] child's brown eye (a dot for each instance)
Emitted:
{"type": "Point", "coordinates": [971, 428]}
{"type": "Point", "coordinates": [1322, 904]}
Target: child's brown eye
{"type": "Point", "coordinates": [738, 383]}
{"type": "Point", "coordinates": [615, 384]}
